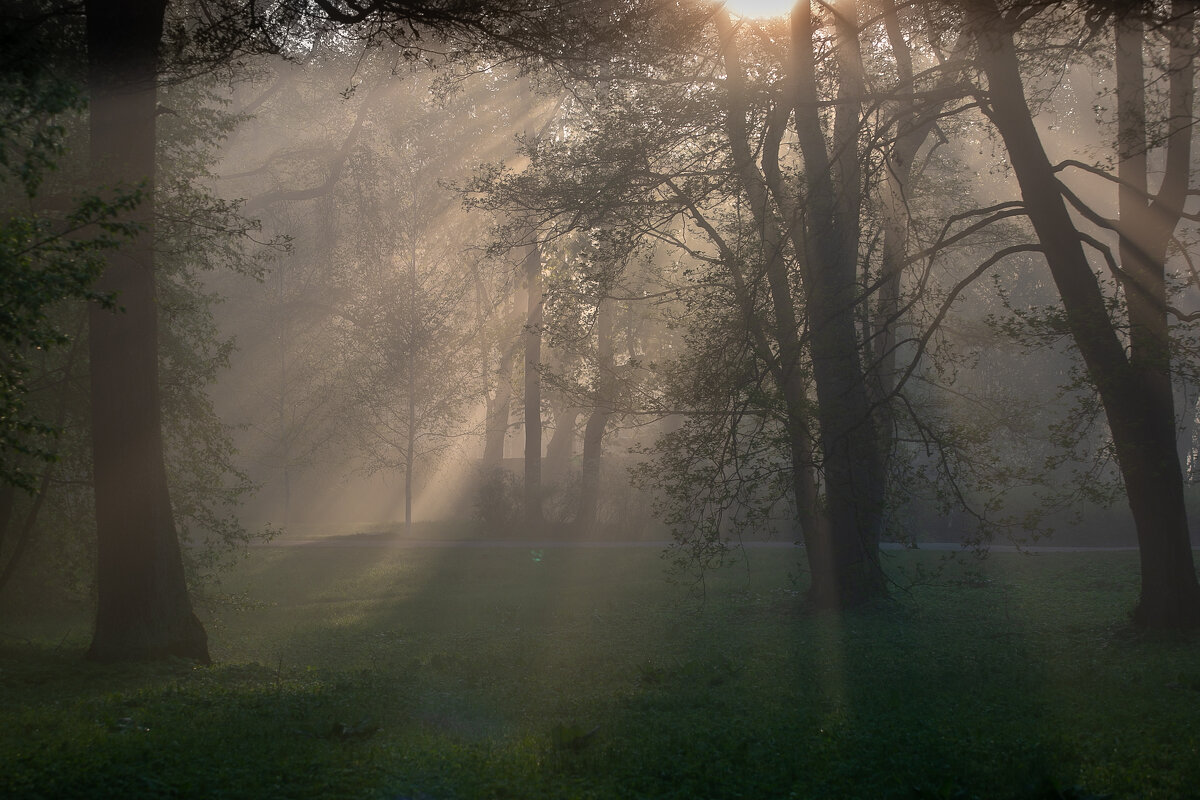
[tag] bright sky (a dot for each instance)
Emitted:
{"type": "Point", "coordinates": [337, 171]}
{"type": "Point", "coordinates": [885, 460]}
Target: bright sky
{"type": "Point", "coordinates": [759, 8]}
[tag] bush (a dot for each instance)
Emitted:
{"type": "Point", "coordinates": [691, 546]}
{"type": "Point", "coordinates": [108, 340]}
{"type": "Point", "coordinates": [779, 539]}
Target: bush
{"type": "Point", "coordinates": [497, 498]}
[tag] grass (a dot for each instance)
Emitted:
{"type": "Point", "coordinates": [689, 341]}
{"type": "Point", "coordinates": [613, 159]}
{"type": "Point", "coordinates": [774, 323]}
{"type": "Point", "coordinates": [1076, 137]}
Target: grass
{"type": "Point", "coordinates": [432, 673]}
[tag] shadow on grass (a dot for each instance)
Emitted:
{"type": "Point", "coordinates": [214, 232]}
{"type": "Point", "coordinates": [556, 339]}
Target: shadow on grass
{"type": "Point", "coordinates": [451, 673]}
{"type": "Point", "coordinates": [629, 694]}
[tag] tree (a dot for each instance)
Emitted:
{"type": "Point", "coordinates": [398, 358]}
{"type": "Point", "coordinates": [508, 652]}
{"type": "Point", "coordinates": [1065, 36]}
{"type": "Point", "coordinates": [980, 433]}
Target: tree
{"type": "Point", "coordinates": [534, 517]}
{"type": "Point", "coordinates": [143, 610]}
{"type": "Point", "coordinates": [1133, 387]}
{"type": "Point", "coordinates": [824, 219]}
{"type": "Point", "coordinates": [407, 334]}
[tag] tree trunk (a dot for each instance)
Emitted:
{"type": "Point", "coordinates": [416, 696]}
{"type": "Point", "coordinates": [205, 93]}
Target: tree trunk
{"type": "Point", "coordinates": [25, 534]}
{"type": "Point", "coordinates": [410, 450]}
{"type": "Point", "coordinates": [408, 489]}
{"type": "Point", "coordinates": [1146, 227]}
{"type": "Point", "coordinates": [533, 390]}
{"type": "Point", "coordinates": [8, 501]}
{"type": "Point", "coordinates": [565, 414]}
{"type": "Point", "coordinates": [1141, 422]}
{"type": "Point", "coordinates": [562, 443]}
{"type": "Point", "coordinates": [499, 409]}
{"type": "Point", "coordinates": [840, 536]}
{"type": "Point", "coordinates": [593, 433]}
{"type": "Point", "coordinates": [853, 465]}
{"type": "Point", "coordinates": [143, 609]}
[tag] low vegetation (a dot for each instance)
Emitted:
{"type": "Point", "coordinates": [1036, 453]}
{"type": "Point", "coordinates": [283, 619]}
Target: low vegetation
{"type": "Point", "coordinates": [496, 672]}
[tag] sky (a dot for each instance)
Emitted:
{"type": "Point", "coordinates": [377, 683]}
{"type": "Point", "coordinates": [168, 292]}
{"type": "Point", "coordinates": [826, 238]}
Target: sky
{"type": "Point", "coordinates": [759, 8]}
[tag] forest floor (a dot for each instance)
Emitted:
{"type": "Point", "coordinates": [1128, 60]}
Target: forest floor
{"type": "Point", "coordinates": [513, 672]}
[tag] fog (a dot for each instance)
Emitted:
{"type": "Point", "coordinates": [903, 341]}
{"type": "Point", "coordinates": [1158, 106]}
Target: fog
{"type": "Point", "coordinates": [617, 282]}
{"type": "Point", "coordinates": [650, 398]}
{"type": "Point", "coordinates": [376, 171]}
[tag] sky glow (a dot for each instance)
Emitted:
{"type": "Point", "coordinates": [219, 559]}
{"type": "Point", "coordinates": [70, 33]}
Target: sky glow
{"type": "Point", "coordinates": [759, 8]}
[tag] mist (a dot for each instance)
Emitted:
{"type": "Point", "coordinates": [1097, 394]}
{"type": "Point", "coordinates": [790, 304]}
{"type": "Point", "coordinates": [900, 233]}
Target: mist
{"type": "Point", "coordinates": [642, 399]}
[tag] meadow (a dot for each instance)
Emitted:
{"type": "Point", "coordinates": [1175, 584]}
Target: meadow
{"type": "Point", "coordinates": [430, 673]}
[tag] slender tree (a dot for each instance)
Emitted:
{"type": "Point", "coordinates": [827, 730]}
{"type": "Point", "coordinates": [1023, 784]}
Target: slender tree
{"type": "Point", "coordinates": [535, 302]}
{"type": "Point", "coordinates": [602, 401]}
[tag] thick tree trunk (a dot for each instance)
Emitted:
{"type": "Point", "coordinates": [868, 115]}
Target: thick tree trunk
{"type": "Point", "coordinates": [143, 609]}
{"type": "Point", "coordinates": [533, 390]}
{"type": "Point", "coordinates": [841, 534]}
{"type": "Point", "coordinates": [853, 464]}
{"type": "Point", "coordinates": [593, 434]}
{"type": "Point", "coordinates": [1141, 422]}
{"type": "Point", "coordinates": [1147, 224]}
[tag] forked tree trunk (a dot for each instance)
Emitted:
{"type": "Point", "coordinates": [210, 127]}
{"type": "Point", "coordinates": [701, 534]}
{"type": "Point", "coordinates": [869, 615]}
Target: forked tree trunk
{"type": "Point", "coordinates": [143, 609]}
{"type": "Point", "coordinates": [1141, 422]}
{"type": "Point", "coordinates": [841, 533]}
{"type": "Point", "coordinates": [853, 463]}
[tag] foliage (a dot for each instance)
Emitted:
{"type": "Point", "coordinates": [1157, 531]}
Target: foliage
{"type": "Point", "coordinates": [196, 232]}
{"type": "Point", "coordinates": [496, 498]}
{"type": "Point", "coordinates": [487, 674]}
{"type": "Point", "coordinates": [47, 256]}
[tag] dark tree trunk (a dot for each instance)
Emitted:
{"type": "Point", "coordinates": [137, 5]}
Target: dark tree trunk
{"type": "Point", "coordinates": [499, 409]}
{"type": "Point", "coordinates": [8, 501]}
{"type": "Point", "coordinates": [533, 390]}
{"type": "Point", "coordinates": [143, 609]}
{"type": "Point", "coordinates": [853, 463]}
{"type": "Point", "coordinates": [565, 414]}
{"type": "Point", "coordinates": [25, 534]}
{"type": "Point", "coordinates": [562, 444]}
{"type": "Point", "coordinates": [1139, 413]}
{"type": "Point", "coordinates": [593, 433]}
{"type": "Point", "coordinates": [841, 534]}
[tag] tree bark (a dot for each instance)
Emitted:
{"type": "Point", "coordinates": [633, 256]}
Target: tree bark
{"type": "Point", "coordinates": [853, 464]}
{"type": "Point", "coordinates": [1140, 419]}
{"type": "Point", "coordinates": [593, 433]}
{"type": "Point", "coordinates": [841, 534]}
{"type": "Point", "coordinates": [499, 409]}
{"type": "Point", "coordinates": [410, 442]}
{"type": "Point", "coordinates": [143, 609]}
{"type": "Point", "coordinates": [533, 390]}
{"type": "Point", "coordinates": [562, 443]}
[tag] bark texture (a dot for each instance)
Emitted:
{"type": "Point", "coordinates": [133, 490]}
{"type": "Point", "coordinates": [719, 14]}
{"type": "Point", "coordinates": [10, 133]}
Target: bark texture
{"type": "Point", "coordinates": [143, 610]}
{"type": "Point", "coordinates": [821, 224]}
{"type": "Point", "coordinates": [1134, 389]}
{"type": "Point", "coordinates": [533, 389]}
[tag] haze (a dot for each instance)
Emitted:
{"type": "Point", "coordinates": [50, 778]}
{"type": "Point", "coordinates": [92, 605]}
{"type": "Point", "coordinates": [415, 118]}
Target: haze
{"type": "Point", "coordinates": [639, 399]}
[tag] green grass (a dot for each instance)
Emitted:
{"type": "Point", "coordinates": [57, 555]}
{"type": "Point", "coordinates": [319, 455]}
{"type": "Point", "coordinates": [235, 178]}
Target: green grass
{"type": "Point", "coordinates": [433, 673]}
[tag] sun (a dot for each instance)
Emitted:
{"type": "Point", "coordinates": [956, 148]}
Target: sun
{"type": "Point", "coordinates": [759, 8]}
